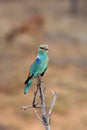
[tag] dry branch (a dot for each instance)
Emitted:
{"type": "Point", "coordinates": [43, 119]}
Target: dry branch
{"type": "Point", "coordinates": [45, 118]}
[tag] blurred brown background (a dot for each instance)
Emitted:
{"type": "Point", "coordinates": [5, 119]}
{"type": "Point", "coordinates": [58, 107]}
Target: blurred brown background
{"type": "Point", "coordinates": [25, 24]}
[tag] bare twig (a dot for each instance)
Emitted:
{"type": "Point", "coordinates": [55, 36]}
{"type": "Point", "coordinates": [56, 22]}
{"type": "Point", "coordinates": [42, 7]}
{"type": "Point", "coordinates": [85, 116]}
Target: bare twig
{"type": "Point", "coordinates": [34, 100]}
{"type": "Point", "coordinates": [53, 103]}
{"type": "Point", "coordinates": [27, 107]}
{"type": "Point", "coordinates": [38, 116]}
{"type": "Point", "coordinates": [45, 118]}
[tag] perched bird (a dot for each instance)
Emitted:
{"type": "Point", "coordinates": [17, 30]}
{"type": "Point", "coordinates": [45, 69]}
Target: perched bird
{"type": "Point", "coordinates": [38, 67]}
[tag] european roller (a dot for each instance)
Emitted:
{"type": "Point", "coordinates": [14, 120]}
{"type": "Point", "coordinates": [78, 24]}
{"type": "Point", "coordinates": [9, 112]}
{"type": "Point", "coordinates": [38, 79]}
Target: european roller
{"type": "Point", "coordinates": [38, 67]}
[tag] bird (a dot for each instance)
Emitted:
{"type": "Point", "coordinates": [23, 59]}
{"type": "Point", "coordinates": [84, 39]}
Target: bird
{"type": "Point", "coordinates": [38, 67]}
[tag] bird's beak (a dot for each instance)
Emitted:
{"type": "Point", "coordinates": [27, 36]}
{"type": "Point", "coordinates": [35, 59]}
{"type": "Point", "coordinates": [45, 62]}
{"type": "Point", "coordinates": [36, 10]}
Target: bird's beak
{"type": "Point", "coordinates": [46, 49]}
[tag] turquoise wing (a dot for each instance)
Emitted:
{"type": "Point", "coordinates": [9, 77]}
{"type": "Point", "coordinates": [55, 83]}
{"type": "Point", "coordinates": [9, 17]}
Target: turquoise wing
{"type": "Point", "coordinates": [35, 67]}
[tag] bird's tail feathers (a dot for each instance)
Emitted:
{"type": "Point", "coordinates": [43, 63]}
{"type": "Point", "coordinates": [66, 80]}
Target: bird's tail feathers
{"type": "Point", "coordinates": [27, 86]}
{"type": "Point", "coordinates": [26, 81]}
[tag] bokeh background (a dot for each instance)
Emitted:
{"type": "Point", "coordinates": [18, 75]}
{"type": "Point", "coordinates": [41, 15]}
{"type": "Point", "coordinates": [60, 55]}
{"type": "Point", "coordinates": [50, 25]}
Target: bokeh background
{"type": "Point", "coordinates": [24, 25]}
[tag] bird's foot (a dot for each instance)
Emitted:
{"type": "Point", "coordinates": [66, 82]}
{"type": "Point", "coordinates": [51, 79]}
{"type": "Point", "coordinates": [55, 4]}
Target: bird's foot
{"type": "Point", "coordinates": [39, 77]}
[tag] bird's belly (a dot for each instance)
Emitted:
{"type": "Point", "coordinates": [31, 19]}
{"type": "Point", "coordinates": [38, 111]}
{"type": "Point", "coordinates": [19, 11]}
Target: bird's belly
{"type": "Point", "coordinates": [42, 67]}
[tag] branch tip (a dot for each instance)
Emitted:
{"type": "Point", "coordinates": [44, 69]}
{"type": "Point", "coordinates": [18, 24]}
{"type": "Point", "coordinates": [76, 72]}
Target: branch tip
{"type": "Point", "coordinates": [36, 113]}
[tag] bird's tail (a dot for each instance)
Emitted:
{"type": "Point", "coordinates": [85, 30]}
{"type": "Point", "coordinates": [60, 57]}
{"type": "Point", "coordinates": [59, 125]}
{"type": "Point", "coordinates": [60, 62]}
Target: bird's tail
{"type": "Point", "coordinates": [27, 86]}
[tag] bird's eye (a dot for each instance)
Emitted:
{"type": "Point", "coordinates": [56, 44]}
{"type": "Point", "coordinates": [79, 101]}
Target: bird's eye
{"type": "Point", "coordinates": [41, 48]}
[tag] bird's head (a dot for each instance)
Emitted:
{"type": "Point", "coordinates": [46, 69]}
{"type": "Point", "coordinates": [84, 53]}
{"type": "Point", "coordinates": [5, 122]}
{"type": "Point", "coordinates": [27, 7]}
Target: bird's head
{"type": "Point", "coordinates": [43, 48]}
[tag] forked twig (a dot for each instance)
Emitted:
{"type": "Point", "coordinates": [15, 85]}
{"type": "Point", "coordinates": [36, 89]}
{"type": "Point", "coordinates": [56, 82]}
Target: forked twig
{"type": "Point", "coordinates": [45, 118]}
